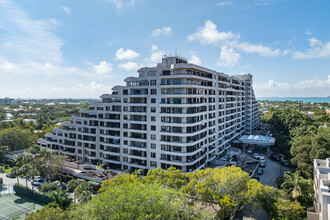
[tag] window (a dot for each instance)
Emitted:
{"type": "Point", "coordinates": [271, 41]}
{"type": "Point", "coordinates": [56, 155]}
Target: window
{"type": "Point", "coordinates": [125, 117]}
{"type": "Point", "coordinates": [153, 109]}
{"type": "Point", "coordinates": [152, 73]}
{"type": "Point", "coordinates": [125, 92]}
{"type": "Point", "coordinates": [153, 91]}
{"type": "Point", "coordinates": [125, 151]}
{"type": "Point", "coordinates": [153, 164]}
{"type": "Point", "coordinates": [153, 82]}
{"type": "Point", "coordinates": [153, 137]}
{"type": "Point", "coordinates": [153, 118]}
{"type": "Point", "coordinates": [125, 143]}
{"type": "Point", "coordinates": [153, 127]}
{"type": "Point", "coordinates": [125, 159]}
{"type": "Point", "coordinates": [125, 109]}
{"type": "Point", "coordinates": [125, 125]}
{"type": "Point", "coordinates": [153, 155]}
{"type": "Point", "coordinates": [125, 134]}
{"type": "Point", "coordinates": [153, 100]}
{"type": "Point", "coordinates": [125, 100]}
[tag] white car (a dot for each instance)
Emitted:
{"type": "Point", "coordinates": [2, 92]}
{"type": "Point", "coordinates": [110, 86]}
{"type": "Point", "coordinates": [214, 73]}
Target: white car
{"type": "Point", "coordinates": [249, 151]}
{"type": "Point", "coordinates": [38, 182]}
{"type": "Point", "coordinates": [262, 158]}
{"type": "Point", "coordinates": [256, 156]}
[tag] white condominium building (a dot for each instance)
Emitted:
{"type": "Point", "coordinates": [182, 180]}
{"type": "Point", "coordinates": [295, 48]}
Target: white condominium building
{"type": "Point", "coordinates": [175, 114]}
{"type": "Point", "coordinates": [321, 209]}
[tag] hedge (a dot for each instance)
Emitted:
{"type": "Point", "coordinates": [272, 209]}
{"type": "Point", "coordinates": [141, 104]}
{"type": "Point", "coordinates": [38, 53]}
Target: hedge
{"type": "Point", "coordinates": [27, 192]}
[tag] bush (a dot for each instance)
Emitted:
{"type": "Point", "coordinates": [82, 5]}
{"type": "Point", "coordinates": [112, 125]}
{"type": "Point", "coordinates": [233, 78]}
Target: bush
{"type": "Point", "coordinates": [95, 185]}
{"type": "Point", "coordinates": [27, 192]}
{"type": "Point", "coordinates": [67, 178]}
{"type": "Point", "coordinates": [48, 187]}
{"type": "Point", "coordinates": [72, 184]}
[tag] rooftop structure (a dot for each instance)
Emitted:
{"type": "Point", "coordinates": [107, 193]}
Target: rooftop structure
{"type": "Point", "coordinates": [174, 114]}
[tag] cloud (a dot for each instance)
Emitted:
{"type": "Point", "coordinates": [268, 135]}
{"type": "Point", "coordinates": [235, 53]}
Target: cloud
{"type": "Point", "coordinates": [91, 90]}
{"type": "Point", "coordinates": [318, 49]}
{"type": "Point", "coordinates": [103, 68]}
{"type": "Point", "coordinates": [5, 65]}
{"type": "Point", "coordinates": [195, 60]}
{"type": "Point", "coordinates": [315, 83]}
{"type": "Point", "coordinates": [67, 10]}
{"type": "Point", "coordinates": [210, 35]}
{"type": "Point", "coordinates": [129, 66]}
{"type": "Point", "coordinates": [128, 54]}
{"type": "Point", "coordinates": [122, 3]}
{"type": "Point", "coordinates": [257, 48]}
{"type": "Point", "coordinates": [162, 31]}
{"type": "Point", "coordinates": [26, 39]}
{"type": "Point", "coordinates": [155, 56]}
{"type": "Point", "coordinates": [228, 57]}
{"type": "Point", "coordinates": [221, 4]}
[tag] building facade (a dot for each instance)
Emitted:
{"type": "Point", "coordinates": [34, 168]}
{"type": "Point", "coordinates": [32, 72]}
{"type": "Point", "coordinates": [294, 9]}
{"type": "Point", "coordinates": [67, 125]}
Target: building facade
{"type": "Point", "coordinates": [175, 114]}
{"type": "Point", "coordinates": [321, 209]}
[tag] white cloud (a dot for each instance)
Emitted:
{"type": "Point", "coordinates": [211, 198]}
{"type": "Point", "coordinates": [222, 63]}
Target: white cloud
{"type": "Point", "coordinates": [67, 10]}
{"type": "Point", "coordinates": [315, 83]}
{"type": "Point", "coordinates": [92, 90]}
{"type": "Point", "coordinates": [103, 68]}
{"type": "Point", "coordinates": [224, 3]}
{"type": "Point", "coordinates": [210, 35]}
{"type": "Point", "coordinates": [318, 49]}
{"type": "Point", "coordinates": [155, 56]}
{"type": "Point", "coordinates": [129, 66]}
{"type": "Point", "coordinates": [162, 31]}
{"type": "Point", "coordinates": [308, 32]}
{"type": "Point", "coordinates": [285, 52]}
{"type": "Point", "coordinates": [195, 60]}
{"type": "Point", "coordinates": [122, 3]}
{"type": "Point", "coordinates": [230, 43]}
{"type": "Point", "coordinates": [228, 57]}
{"type": "Point", "coordinates": [26, 39]}
{"type": "Point", "coordinates": [5, 65]}
{"type": "Point", "coordinates": [128, 54]}
{"type": "Point", "coordinates": [257, 48]}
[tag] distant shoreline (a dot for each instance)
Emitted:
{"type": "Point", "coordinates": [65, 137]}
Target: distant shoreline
{"type": "Point", "coordinates": [297, 99]}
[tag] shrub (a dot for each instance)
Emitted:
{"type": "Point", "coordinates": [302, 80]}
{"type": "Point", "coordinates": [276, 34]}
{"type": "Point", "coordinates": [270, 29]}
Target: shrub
{"type": "Point", "coordinates": [95, 185]}
{"type": "Point", "coordinates": [48, 187]}
{"type": "Point", "coordinates": [27, 192]}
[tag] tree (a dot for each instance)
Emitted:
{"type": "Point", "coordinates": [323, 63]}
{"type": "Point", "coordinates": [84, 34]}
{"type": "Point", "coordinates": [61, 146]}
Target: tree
{"type": "Point", "coordinates": [83, 192]}
{"type": "Point", "coordinates": [16, 171]}
{"type": "Point", "coordinates": [16, 138]}
{"type": "Point", "coordinates": [2, 169]}
{"type": "Point", "coordinates": [3, 150]}
{"type": "Point", "coordinates": [226, 190]}
{"type": "Point", "coordinates": [173, 177]}
{"type": "Point", "coordinates": [61, 199]}
{"type": "Point", "coordinates": [24, 170]}
{"type": "Point", "coordinates": [142, 201]}
{"type": "Point", "coordinates": [32, 174]}
{"type": "Point", "coordinates": [46, 213]}
{"type": "Point", "coordinates": [124, 178]}
{"type": "Point", "coordinates": [293, 184]}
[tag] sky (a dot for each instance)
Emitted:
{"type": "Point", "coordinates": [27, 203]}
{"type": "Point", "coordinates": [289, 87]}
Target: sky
{"type": "Point", "coordinates": [81, 49]}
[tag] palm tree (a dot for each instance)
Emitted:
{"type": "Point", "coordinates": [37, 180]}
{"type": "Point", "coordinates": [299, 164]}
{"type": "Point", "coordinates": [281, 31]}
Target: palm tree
{"type": "Point", "coordinates": [31, 174]}
{"type": "Point", "coordinates": [16, 171]}
{"type": "Point", "coordinates": [83, 192]}
{"type": "Point", "coordinates": [61, 198]}
{"type": "Point", "coordinates": [24, 170]}
{"type": "Point", "coordinates": [293, 182]}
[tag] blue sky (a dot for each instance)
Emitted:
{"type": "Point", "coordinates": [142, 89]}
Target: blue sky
{"type": "Point", "coordinates": [81, 49]}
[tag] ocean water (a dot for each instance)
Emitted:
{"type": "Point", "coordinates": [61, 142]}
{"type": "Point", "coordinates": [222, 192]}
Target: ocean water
{"type": "Point", "coordinates": [297, 99]}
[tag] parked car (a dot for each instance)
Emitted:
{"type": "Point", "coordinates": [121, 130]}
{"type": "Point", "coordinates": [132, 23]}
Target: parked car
{"type": "Point", "coordinates": [250, 150]}
{"type": "Point", "coordinates": [262, 163]}
{"type": "Point", "coordinates": [255, 156]}
{"type": "Point", "coordinates": [38, 182]}
{"type": "Point", "coordinates": [260, 171]}
{"type": "Point", "coordinates": [262, 158]}
{"type": "Point", "coordinates": [273, 157]}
